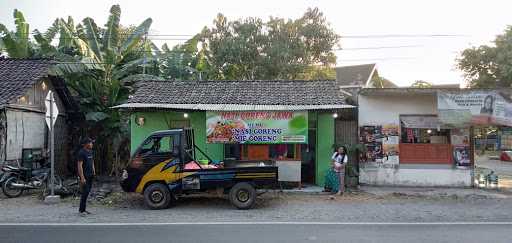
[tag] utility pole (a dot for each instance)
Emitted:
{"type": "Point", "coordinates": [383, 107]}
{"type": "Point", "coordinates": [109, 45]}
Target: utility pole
{"type": "Point", "coordinates": [51, 116]}
{"type": "Point", "coordinates": [144, 49]}
{"type": "Point", "coordinates": [52, 150]}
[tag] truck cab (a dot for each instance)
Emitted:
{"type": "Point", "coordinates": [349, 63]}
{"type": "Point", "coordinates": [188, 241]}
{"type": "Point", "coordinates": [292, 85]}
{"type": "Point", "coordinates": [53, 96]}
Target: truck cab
{"type": "Point", "coordinates": [165, 167]}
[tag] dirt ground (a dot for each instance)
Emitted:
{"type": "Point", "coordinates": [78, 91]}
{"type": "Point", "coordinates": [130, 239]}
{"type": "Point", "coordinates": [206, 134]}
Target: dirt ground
{"type": "Point", "coordinates": [370, 204]}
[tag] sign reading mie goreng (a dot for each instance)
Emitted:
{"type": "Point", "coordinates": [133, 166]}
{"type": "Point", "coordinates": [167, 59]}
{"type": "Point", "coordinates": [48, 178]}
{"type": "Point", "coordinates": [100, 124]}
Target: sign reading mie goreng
{"type": "Point", "coordinates": [258, 127]}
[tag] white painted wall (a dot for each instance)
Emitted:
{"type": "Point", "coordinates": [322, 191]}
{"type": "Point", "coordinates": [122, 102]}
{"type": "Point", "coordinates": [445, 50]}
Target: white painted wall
{"type": "Point", "coordinates": [416, 177]}
{"type": "Point", "coordinates": [382, 110]}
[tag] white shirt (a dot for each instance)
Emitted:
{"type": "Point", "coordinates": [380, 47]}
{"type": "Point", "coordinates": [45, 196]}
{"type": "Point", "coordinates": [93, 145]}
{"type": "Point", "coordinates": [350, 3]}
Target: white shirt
{"type": "Point", "coordinates": [339, 158]}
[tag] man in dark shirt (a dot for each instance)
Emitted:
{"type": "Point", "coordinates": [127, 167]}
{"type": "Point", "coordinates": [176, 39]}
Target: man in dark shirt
{"type": "Point", "coordinates": [86, 173]}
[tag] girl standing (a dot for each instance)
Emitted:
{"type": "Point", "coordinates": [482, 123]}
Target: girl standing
{"type": "Point", "coordinates": [339, 160]}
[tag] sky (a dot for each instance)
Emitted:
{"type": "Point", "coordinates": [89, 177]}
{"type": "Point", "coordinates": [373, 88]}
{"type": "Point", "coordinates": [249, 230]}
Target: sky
{"type": "Point", "coordinates": [401, 60]}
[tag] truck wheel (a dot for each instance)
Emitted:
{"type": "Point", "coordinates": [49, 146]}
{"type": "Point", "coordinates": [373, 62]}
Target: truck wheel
{"type": "Point", "coordinates": [242, 195]}
{"type": "Point", "coordinates": [157, 196]}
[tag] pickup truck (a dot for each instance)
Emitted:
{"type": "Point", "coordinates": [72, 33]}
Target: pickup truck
{"type": "Point", "coordinates": [165, 167]}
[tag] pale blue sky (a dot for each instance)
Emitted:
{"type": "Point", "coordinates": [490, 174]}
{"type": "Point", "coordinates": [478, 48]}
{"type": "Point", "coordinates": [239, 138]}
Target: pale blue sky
{"type": "Point", "coordinates": [431, 59]}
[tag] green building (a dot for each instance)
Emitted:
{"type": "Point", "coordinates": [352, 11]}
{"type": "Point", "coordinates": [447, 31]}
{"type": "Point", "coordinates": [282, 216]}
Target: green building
{"type": "Point", "coordinates": [292, 122]}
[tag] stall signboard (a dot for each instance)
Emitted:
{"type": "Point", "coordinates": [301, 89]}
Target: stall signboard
{"type": "Point", "coordinates": [473, 108]}
{"type": "Point", "coordinates": [258, 127]}
{"type": "Point", "coordinates": [460, 144]}
{"type": "Point", "coordinates": [382, 144]}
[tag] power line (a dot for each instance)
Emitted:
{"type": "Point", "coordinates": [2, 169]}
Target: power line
{"type": "Point", "coordinates": [403, 36]}
{"type": "Point", "coordinates": [342, 60]}
{"type": "Point", "coordinates": [377, 59]}
{"type": "Point", "coordinates": [376, 48]}
{"type": "Point", "coordinates": [342, 36]}
{"type": "Point", "coordinates": [347, 36]}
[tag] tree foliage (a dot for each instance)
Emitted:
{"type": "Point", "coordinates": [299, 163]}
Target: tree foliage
{"type": "Point", "coordinates": [16, 43]}
{"type": "Point", "coordinates": [421, 84]}
{"type": "Point", "coordinates": [489, 66]}
{"type": "Point", "coordinates": [251, 48]}
{"type": "Point", "coordinates": [107, 61]}
{"type": "Point", "coordinates": [101, 63]}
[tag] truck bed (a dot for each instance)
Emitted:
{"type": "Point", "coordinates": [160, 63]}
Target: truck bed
{"type": "Point", "coordinates": [259, 176]}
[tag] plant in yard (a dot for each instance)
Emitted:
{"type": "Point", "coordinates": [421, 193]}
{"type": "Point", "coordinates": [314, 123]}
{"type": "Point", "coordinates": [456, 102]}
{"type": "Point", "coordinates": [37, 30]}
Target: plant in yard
{"type": "Point", "coordinates": [101, 69]}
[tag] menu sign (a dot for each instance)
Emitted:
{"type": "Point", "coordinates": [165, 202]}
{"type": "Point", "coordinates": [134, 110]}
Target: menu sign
{"type": "Point", "coordinates": [258, 127]}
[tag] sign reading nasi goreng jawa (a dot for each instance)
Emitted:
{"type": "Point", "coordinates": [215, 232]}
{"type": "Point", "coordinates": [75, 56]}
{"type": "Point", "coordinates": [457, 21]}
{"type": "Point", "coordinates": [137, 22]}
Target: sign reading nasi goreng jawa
{"type": "Point", "coordinates": [257, 127]}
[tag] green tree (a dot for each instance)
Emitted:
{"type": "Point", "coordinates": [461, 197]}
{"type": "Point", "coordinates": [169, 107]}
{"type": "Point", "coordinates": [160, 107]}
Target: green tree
{"type": "Point", "coordinates": [489, 66]}
{"type": "Point", "coordinates": [105, 64]}
{"type": "Point", "coordinates": [185, 61]}
{"type": "Point", "coordinates": [421, 84]}
{"type": "Point", "coordinates": [251, 48]}
{"type": "Point", "coordinates": [16, 44]}
{"type": "Point", "coordinates": [299, 48]}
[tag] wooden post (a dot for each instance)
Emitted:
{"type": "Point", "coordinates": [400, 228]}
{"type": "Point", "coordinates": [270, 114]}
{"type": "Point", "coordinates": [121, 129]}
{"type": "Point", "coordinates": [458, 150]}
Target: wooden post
{"type": "Point", "coordinates": [472, 154]}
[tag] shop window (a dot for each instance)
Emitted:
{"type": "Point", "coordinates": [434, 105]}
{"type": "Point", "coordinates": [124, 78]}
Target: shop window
{"type": "Point", "coordinates": [423, 129]}
{"type": "Point", "coordinates": [425, 135]}
{"type": "Point", "coordinates": [424, 140]}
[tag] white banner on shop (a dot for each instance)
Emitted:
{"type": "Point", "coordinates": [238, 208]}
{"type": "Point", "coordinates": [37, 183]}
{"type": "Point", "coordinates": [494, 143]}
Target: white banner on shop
{"type": "Point", "coordinates": [473, 108]}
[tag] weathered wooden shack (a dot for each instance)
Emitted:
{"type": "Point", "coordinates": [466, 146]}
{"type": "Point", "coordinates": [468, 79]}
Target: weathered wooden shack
{"type": "Point", "coordinates": [24, 84]}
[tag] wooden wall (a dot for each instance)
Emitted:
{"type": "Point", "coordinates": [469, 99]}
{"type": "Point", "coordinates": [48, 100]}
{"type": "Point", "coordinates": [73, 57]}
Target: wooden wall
{"type": "Point", "coordinates": [3, 135]}
{"type": "Point", "coordinates": [23, 125]}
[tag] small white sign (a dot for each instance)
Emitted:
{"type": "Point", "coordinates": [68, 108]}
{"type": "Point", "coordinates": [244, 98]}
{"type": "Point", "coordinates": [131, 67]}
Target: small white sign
{"type": "Point", "coordinates": [50, 101]}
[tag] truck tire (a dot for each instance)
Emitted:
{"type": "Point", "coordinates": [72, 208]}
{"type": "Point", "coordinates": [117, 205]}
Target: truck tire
{"type": "Point", "coordinates": [157, 196]}
{"type": "Point", "coordinates": [242, 195]}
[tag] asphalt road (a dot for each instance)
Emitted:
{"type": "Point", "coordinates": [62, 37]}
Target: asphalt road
{"type": "Point", "coordinates": [259, 232]}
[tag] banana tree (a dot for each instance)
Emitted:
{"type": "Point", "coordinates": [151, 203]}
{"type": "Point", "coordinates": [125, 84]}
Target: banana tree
{"type": "Point", "coordinates": [16, 43]}
{"type": "Point", "coordinates": [101, 72]}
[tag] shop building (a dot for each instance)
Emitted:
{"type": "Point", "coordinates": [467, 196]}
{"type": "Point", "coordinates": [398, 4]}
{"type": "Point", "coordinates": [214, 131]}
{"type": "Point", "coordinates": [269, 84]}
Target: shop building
{"type": "Point", "coordinates": [291, 122]}
{"type": "Point", "coordinates": [407, 142]}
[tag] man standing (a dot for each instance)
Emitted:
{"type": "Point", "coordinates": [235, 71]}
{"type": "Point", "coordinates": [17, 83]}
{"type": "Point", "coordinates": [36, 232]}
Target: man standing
{"type": "Point", "coordinates": [86, 173]}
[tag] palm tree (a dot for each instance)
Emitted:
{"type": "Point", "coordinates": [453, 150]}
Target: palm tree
{"type": "Point", "coordinates": [16, 44]}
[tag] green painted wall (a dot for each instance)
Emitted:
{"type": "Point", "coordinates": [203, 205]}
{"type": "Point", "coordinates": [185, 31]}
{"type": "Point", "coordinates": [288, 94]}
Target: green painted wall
{"type": "Point", "coordinates": [160, 120]}
{"type": "Point", "coordinates": [214, 151]}
{"type": "Point", "coordinates": [325, 141]}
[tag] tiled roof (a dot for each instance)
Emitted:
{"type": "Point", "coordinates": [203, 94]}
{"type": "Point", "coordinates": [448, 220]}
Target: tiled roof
{"type": "Point", "coordinates": [354, 75]}
{"type": "Point", "coordinates": [18, 75]}
{"type": "Point", "coordinates": [238, 95]}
